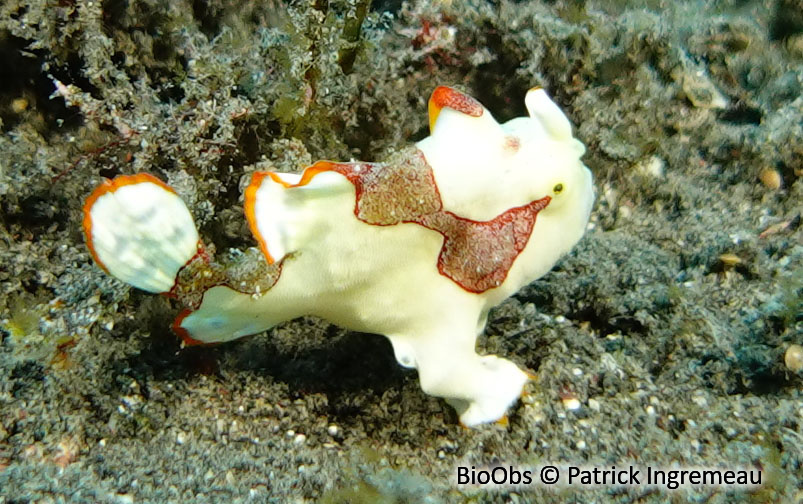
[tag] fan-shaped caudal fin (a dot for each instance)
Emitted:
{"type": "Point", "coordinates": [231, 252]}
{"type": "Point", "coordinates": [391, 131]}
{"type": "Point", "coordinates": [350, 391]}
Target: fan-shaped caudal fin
{"type": "Point", "coordinates": [140, 231]}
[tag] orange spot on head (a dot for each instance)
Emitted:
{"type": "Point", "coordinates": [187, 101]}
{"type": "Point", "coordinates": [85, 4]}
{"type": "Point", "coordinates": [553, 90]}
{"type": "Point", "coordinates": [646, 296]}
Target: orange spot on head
{"type": "Point", "coordinates": [447, 97]}
{"type": "Point", "coordinates": [110, 186]}
{"type": "Point", "coordinates": [512, 144]}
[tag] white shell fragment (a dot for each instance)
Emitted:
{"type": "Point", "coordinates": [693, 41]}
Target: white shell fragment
{"type": "Point", "coordinates": [140, 231]}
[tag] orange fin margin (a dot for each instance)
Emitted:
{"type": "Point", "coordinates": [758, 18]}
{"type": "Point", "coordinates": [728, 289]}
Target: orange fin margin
{"type": "Point", "coordinates": [183, 333]}
{"type": "Point", "coordinates": [250, 213]}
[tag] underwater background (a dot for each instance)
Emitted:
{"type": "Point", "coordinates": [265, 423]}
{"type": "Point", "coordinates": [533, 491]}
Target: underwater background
{"type": "Point", "coordinates": [670, 335]}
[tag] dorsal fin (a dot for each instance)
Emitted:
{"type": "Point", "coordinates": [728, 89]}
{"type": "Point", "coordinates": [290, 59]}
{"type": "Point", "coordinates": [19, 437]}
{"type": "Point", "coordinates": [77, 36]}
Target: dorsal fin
{"type": "Point", "coordinates": [280, 207]}
{"type": "Point", "coordinates": [446, 97]}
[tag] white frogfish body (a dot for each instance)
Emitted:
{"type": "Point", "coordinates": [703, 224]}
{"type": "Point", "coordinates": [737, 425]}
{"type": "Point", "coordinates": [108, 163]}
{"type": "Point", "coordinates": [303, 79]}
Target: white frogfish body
{"type": "Point", "coordinates": [418, 248]}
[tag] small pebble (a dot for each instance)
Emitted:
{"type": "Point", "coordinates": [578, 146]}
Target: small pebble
{"type": "Point", "coordinates": [18, 105]}
{"type": "Point", "coordinates": [124, 498]}
{"type": "Point", "coordinates": [793, 358]}
{"type": "Point", "coordinates": [653, 167]}
{"type": "Point", "coordinates": [771, 178]}
{"type": "Point", "coordinates": [730, 260]}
